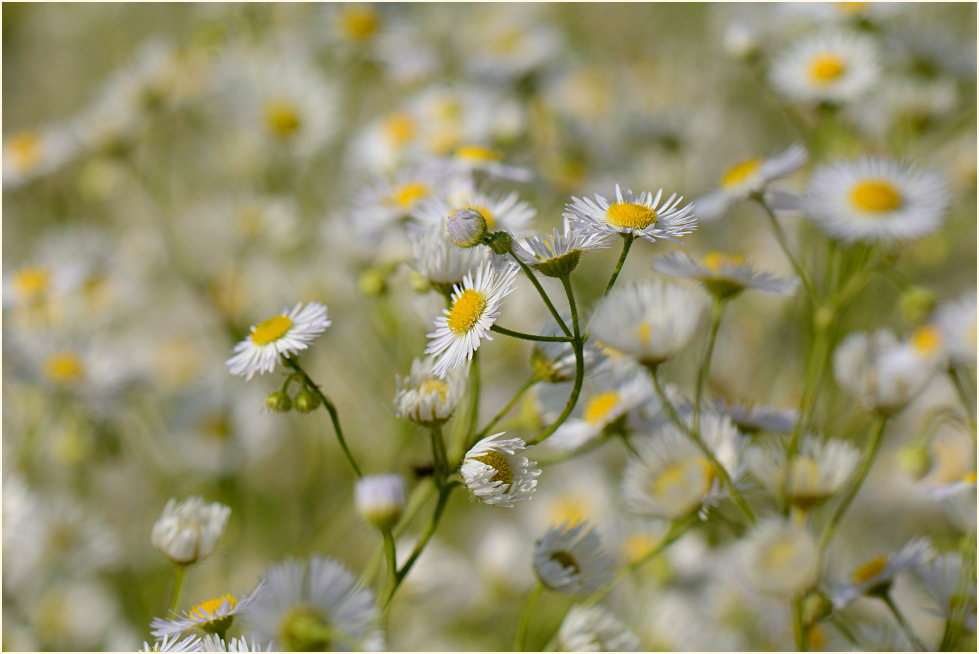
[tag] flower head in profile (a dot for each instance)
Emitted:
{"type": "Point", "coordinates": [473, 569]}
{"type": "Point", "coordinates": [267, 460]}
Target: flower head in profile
{"type": "Point", "coordinates": [557, 254]}
{"type": "Point", "coordinates": [496, 472]}
{"type": "Point", "coordinates": [380, 499]}
{"type": "Point", "coordinates": [641, 216]}
{"type": "Point", "coordinates": [957, 323]}
{"type": "Point", "coordinates": [212, 616]}
{"type": "Point", "coordinates": [817, 472]}
{"type": "Point", "coordinates": [569, 559]}
{"type": "Point", "coordinates": [475, 307]}
{"type": "Point", "coordinates": [214, 643]}
{"type": "Point", "coordinates": [780, 558]}
{"type": "Point", "coordinates": [751, 418]}
{"type": "Point", "coordinates": [874, 577]}
{"type": "Point", "coordinates": [594, 629]}
{"type": "Point", "coordinates": [282, 335]}
{"type": "Point", "coordinates": [722, 275]}
{"type": "Point", "coordinates": [424, 398]}
{"type": "Point", "coordinates": [949, 597]}
{"type": "Point", "coordinates": [188, 531]}
{"type": "Point", "coordinates": [442, 263]}
{"type": "Point", "coordinates": [836, 67]}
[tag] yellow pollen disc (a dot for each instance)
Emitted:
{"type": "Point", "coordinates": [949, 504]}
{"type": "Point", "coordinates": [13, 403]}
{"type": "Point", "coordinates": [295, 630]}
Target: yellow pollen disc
{"type": "Point", "coordinates": [926, 340]}
{"type": "Point", "coordinates": [877, 195]}
{"type": "Point", "coordinates": [826, 67]}
{"type": "Point", "coordinates": [779, 554]}
{"type": "Point", "coordinates": [434, 386]}
{"type": "Point", "coordinates": [26, 148]}
{"type": "Point", "coordinates": [714, 260]}
{"type": "Point", "coordinates": [466, 311]}
{"type": "Point", "coordinates": [360, 22]}
{"type": "Point", "coordinates": [206, 610]}
{"type": "Point", "coordinates": [486, 214]}
{"type": "Point", "coordinates": [852, 7]}
{"type": "Point", "coordinates": [32, 281]}
{"type": "Point", "coordinates": [565, 559]}
{"type": "Point", "coordinates": [637, 546]}
{"type": "Point", "coordinates": [676, 479]}
{"type": "Point", "coordinates": [805, 475]}
{"type": "Point", "coordinates": [645, 333]}
{"type": "Point", "coordinates": [271, 330]}
{"type": "Point", "coordinates": [504, 473]}
{"type": "Point", "coordinates": [569, 508]}
{"type": "Point", "coordinates": [869, 570]}
{"type": "Point", "coordinates": [969, 478]}
{"type": "Point", "coordinates": [400, 128]}
{"type": "Point", "coordinates": [282, 118]}
{"type": "Point", "coordinates": [477, 153]}
{"type": "Point", "coordinates": [630, 215]}
{"type": "Point", "coordinates": [409, 194]}
{"type": "Point", "coordinates": [740, 172]}
{"type": "Point", "coordinates": [63, 367]}
{"type": "Point", "coordinates": [599, 407]}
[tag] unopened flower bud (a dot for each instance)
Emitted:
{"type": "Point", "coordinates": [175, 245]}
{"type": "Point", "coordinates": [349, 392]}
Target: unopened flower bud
{"type": "Point", "coordinates": [815, 607]}
{"type": "Point", "coordinates": [189, 530]}
{"type": "Point", "coordinates": [380, 499]}
{"type": "Point", "coordinates": [916, 303]}
{"type": "Point", "coordinates": [278, 401]}
{"type": "Point", "coordinates": [466, 227]}
{"type": "Point", "coordinates": [373, 283]}
{"type": "Point", "coordinates": [306, 401]}
{"type": "Point", "coordinates": [915, 459]}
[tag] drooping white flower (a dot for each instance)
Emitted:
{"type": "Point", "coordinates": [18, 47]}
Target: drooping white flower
{"type": "Point", "coordinates": [189, 531]}
{"type": "Point", "coordinates": [569, 559]}
{"type": "Point", "coordinates": [496, 472]}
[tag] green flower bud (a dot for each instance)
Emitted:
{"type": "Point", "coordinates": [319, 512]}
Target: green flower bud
{"type": "Point", "coordinates": [916, 303]}
{"type": "Point", "coordinates": [278, 401]}
{"type": "Point", "coordinates": [915, 459]}
{"type": "Point", "coordinates": [306, 401]}
{"type": "Point", "coordinates": [815, 607]}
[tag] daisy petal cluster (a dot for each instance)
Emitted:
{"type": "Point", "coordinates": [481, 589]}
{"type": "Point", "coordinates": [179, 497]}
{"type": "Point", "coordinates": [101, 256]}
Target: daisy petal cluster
{"type": "Point", "coordinates": [569, 559]}
{"type": "Point", "coordinates": [282, 335]}
{"type": "Point", "coordinates": [496, 472]}
{"type": "Point", "coordinates": [641, 216]}
{"type": "Point", "coordinates": [834, 67]}
{"type": "Point", "coordinates": [557, 254]}
{"type": "Point", "coordinates": [723, 275]}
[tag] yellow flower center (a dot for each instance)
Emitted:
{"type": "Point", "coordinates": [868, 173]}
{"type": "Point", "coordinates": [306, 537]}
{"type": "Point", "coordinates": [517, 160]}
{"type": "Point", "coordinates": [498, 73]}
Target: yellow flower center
{"type": "Point", "coordinates": [63, 367]}
{"type": "Point", "coordinates": [926, 340]}
{"type": "Point", "coordinates": [851, 7]}
{"type": "Point", "coordinates": [32, 281]}
{"type": "Point", "coordinates": [779, 554]}
{"type": "Point", "coordinates": [817, 638]}
{"type": "Point", "coordinates": [626, 214]}
{"type": "Point", "coordinates": [969, 477]}
{"type": "Point", "coordinates": [826, 67]}
{"type": "Point", "coordinates": [683, 477]}
{"type": "Point", "coordinates": [26, 149]}
{"type": "Point", "coordinates": [435, 386]}
{"type": "Point", "coordinates": [569, 508]}
{"type": "Point", "coordinates": [507, 41]}
{"type": "Point", "coordinates": [600, 406]}
{"type": "Point", "coordinates": [637, 546]}
{"type": "Point", "coordinates": [645, 333]}
{"type": "Point", "coordinates": [216, 426]}
{"type": "Point", "coordinates": [271, 330]}
{"type": "Point", "coordinates": [504, 473]}
{"type": "Point", "coordinates": [485, 213]}
{"type": "Point", "coordinates": [876, 195]}
{"type": "Point", "coordinates": [740, 172]}
{"type": "Point", "coordinates": [478, 153]}
{"type": "Point", "coordinates": [400, 128]}
{"type": "Point", "coordinates": [282, 118]}
{"type": "Point", "coordinates": [360, 23]}
{"type": "Point", "coordinates": [206, 610]}
{"type": "Point", "coordinates": [407, 195]}
{"type": "Point", "coordinates": [466, 311]}
{"type": "Point", "coordinates": [565, 559]}
{"type": "Point", "coordinates": [869, 570]}
{"type": "Point", "coordinates": [714, 260]}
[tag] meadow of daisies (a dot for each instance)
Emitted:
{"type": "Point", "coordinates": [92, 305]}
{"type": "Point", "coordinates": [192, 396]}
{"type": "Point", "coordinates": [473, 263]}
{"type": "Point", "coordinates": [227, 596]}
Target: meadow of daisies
{"type": "Point", "coordinates": [561, 327]}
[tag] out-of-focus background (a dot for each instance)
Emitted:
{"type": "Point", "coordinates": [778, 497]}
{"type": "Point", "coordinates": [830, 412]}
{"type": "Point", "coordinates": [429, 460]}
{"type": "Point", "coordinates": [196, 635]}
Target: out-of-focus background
{"type": "Point", "coordinates": [173, 174]}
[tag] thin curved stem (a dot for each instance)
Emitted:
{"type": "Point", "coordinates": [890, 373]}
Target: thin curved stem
{"type": "Point", "coordinates": [530, 337]}
{"type": "Point", "coordinates": [716, 311]}
{"type": "Point", "coordinates": [293, 363]}
{"type": "Point", "coordinates": [543, 294]}
{"type": "Point", "coordinates": [400, 575]}
{"type": "Point", "coordinates": [419, 496]}
{"type": "Point", "coordinates": [968, 403]}
{"type": "Point", "coordinates": [799, 627]}
{"type": "Point", "coordinates": [505, 410]}
{"type": "Point", "coordinates": [783, 243]}
{"type": "Point", "coordinates": [439, 456]}
{"type": "Point", "coordinates": [627, 243]}
{"type": "Point", "coordinates": [390, 553]}
{"type": "Point", "coordinates": [905, 626]}
{"type": "Point", "coordinates": [178, 583]}
{"type": "Point", "coordinates": [528, 608]}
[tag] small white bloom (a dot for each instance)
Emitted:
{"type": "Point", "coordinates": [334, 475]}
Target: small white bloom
{"type": "Point", "coordinates": [557, 254]}
{"type": "Point", "coordinates": [636, 215]}
{"type": "Point", "coordinates": [872, 199]}
{"type": "Point", "coordinates": [285, 334]}
{"type": "Point", "coordinates": [475, 307]}
{"type": "Point", "coordinates": [424, 398]}
{"type": "Point", "coordinates": [569, 559]}
{"type": "Point", "coordinates": [213, 643]}
{"type": "Point", "coordinates": [957, 322]}
{"type": "Point", "coordinates": [470, 158]}
{"type": "Point", "coordinates": [601, 408]}
{"type": "Point", "coordinates": [496, 473]}
{"type": "Point", "coordinates": [834, 67]}
{"type": "Point", "coordinates": [819, 469]}
{"type": "Point", "coordinates": [780, 558]}
{"type": "Point", "coordinates": [951, 586]}
{"type": "Point", "coordinates": [593, 629]}
{"type": "Point", "coordinates": [35, 152]}
{"type": "Point", "coordinates": [380, 499]}
{"type": "Point", "coordinates": [501, 213]}
{"type": "Point", "coordinates": [213, 616]}
{"type": "Point", "coordinates": [554, 362]}
{"type": "Point", "coordinates": [465, 227]}
{"type": "Point", "coordinates": [876, 575]}
{"type": "Point", "coordinates": [189, 531]}
{"type": "Point", "coordinates": [751, 418]}
{"type": "Point", "coordinates": [723, 275]}
{"type": "Point", "coordinates": [174, 644]}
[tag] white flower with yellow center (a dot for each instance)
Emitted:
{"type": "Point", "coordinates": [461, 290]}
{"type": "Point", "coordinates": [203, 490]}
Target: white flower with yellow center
{"type": "Point", "coordinates": [282, 335]}
{"type": "Point", "coordinates": [471, 157]}
{"type": "Point", "coordinates": [424, 398]}
{"type": "Point", "coordinates": [957, 322]}
{"type": "Point", "coordinates": [723, 275]}
{"type": "Point", "coordinates": [189, 531]}
{"type": "Point", "coordinates": [213, 616]}
{"type": "Point", "coordinates": [819, 469]}
{"type": "Point", "coordinates": [313, 606]}
{"type": "Point", "coordinates": [876, 575]}
{"type": "Point", "coordinates": [747, 177]}
{"type": "Point", "coordinates": [555, 362]}
{"type": "Point", "coordinates": [174, 644]}
{"type": "Point", "coordinates": [780, 558]}
{"type": "Point", "coordinates": [496, 472]}
{"type": "Point", "coordinates": [475, 307]}
{"type": "Point", "coordinates": [569, 559]}
{"type": "Point", "coordinates": [649, 321]}
{"type": "Point", "coordinates": [958, 499]}
{"type": "Point", "coordinates": [593, 629]}
{"type": "Point", "coordinates": [636, 215]}
{"type": "Point", "coordinates": [873, 199]}
{"type": "Point", "coordinates": [751, 418]}
{"type": "Point", "coordinates": [952, 597]}
{"type": "Point", "coordinates": [506, 213]}
{"type": "Point", "coordinates": [601, 408]}
{"type": "Point", "coordinates": [834, 67]}
{"type": "Point", "coordinates": [557, 254]}
{"type": "Point", "coordinates": [34, 152]}
{"type": "Point", "coordinates": [442, 263]}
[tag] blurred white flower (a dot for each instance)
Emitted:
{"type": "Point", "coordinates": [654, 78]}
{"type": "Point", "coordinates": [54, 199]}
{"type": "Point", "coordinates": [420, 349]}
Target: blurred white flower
{"type": "Point", "coordinates": [819, 469]}
{"type": "Point", "coordinates": [380, 499]}
{"type": "Point", "coordinates": [569, 559]}
{"type": "Point", "coordinates": [876, 575]}
{"type": "Point", "coordinates": [780, 558]}
{"type": "Point", "coordinates": [424, 398]}
{"type": "Point", "coordinates": [833, 67]}
{"type": "Point", "coordinates": [188, 531]}
{"type": "Point", "coordinates": [594, 629]}
{"type": "Point", "coordinates": [723, 275]}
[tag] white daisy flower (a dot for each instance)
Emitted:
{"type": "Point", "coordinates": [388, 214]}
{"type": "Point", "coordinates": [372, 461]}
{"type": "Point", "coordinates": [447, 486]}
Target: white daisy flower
{"type": "Point", "coordinates": [285, 334]}
{"type": "Point", "coordinates": [957, 322]}
{"type": "Point", "coordinates": [442, 263]}
{"type": "Point", "coordinates": [496, 473]}
{"type": "Point", "coordinates": [747, 177]}
{"type": "Point", "coordinates": [189, 531]}
{"type": "Point", "coordinates": [32, 153]}
{"type": "Point", "coordinates": [475, 307]}
{"type": "Point", "coordinates": [604, 406]}
{"type": "Point", "coordinates": [557, 254]}
{"type": "Point", "coordinates": [649, 321]}
{"type": "Point", "coordinates": [671, 478]}
{"type": "Point", "coordinates": [174, 644]}
{"type": "Point", "coordinates": [506, 45]}
{"type": "Point", "coordinates": [380, 499]}
{"type": "Point", "coordinates": [424, 398]}
{"type": "Point", "coordinates": [593, 629]}
{"type": "Point", "coordinates": [835, 67]}
{"type": "Point", "coordinates": [780, 558]}
{"type": "Point", "coordinates": [874, 577]}
{"type": "Point", "coordinates": [214, 643]}
{"type": "Point", "coordinates": [470, 158]}
{"type": "Point", "coordinates": [873, 199]}
{"type": "Point", "coordinates": [505, 213]}
{"type": "Point", "coordinates": [313, 605]}
{"type": "Point", "coordinates": [213, 616]}
{"type": "Point", "coordinates": [635, 215]}
{"type": "Point", "coordinates": [819, 469]}
{"type": "Point", "coordinates": [723, 275]}
{"type": "Point", "coordinates": [569, 559]}
{"type": "Point", "coordinates": [953, 598]}
{"type": "Point", "coordinates": [958, 499]}
{"type": "Point", "coordinates": [751, 418]}
{"type": "Point", "coordinates": [554, 362]}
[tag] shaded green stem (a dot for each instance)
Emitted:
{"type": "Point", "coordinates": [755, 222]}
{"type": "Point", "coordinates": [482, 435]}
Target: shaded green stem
{"type": "Point", "coordinates": [530, 337]}
{"type": "Point", "coordinates": [627, 243]}
{"type": "Point", "coordinates": [178, 583]}
{"type": "Point", "coordinates": [716, 311]}
{"type": "Point", "coordinates": [540, 290]}
{"type": "Point", "coordinates": [505, 410]}
{"type": "Point", "coordinates": [799, 626]}
{"type": "Point", "coordinates": [400, 575]}
{"type": "Point", "coordinates": [968, 402]}
{"type": "Point", "coordinates": [783, 243]}
{"type": "Point", "coordinates": [905, 626]}
{"type": "Point", "coordinates": [521, 640]}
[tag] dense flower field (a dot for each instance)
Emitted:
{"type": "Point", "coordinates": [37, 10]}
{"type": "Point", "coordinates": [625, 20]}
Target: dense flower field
{"type": "Point", "coordinates": [434, 327]}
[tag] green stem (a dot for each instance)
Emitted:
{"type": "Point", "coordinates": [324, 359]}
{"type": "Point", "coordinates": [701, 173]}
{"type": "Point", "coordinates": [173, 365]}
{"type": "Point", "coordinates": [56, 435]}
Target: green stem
{"type": "Point", "coordinates": [627, 243]}
{"type": "Point", "coordinates": [799, 627]}
{"type": "Point", "coordinates": [905, 626]}
{"type": "Point", "coordinates": [528, 608]}
{"type": "Point", "coordinates": [540, 290]}
{"type": "Point", "coordinates": [968, 403]}
{"type": "Point", "coordinates": [716, 311]}
{"type": "Point", "coordinates": [868, 461]}
{"type": "Point", "coordinates": [505, 410]}
{"type": "Point", "coordinates": [718, 467]}
{"type": "Point", "coordinates": [472, 413]}
{"type": "Point", "coordinates": [530, 337]}
{"type": "Point", "coordinates": [579, 367]}
{"type": "Point", "coordinates": [391, 553]}
{"type": "Point", "coordinates": [439, 456]}
{"type": "Point", "coordinates": [784, 244]}
{"type": "Point", "coordinates": [293, 363]}
{"type": "Point", "coordinates": [177, 585]}
{"type": "Point", "coordinates": [419, 496]}
{"type": "Point", "coordinates": [400, 575]}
